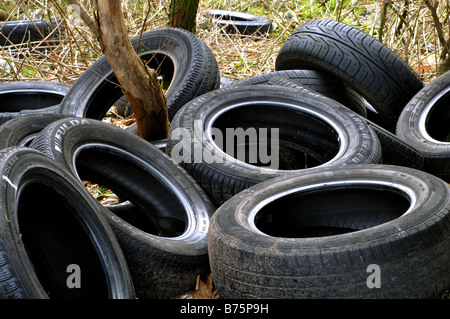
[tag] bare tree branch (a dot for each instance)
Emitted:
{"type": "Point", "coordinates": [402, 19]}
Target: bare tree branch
{"type": "Point", "coordinates": [139, 83]}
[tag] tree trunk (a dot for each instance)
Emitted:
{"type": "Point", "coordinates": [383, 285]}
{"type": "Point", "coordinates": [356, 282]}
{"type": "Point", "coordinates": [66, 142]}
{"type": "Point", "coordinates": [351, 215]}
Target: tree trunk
{"type": "Point", "coordinates": [139, 83]}
{"type": "Point", "coordinates": [183, 14]}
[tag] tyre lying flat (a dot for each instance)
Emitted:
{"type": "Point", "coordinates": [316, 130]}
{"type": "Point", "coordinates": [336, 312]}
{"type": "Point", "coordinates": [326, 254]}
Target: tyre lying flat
{"type": "Point", "coordinates": [321, 233]}
{"type": "Point", "coordinates": [235, 137]}
{"type": "Point", "coordinates": [20, 98]}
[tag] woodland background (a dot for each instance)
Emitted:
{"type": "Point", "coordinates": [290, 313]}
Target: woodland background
{"type": "Point", "coordinates": [418, 31]}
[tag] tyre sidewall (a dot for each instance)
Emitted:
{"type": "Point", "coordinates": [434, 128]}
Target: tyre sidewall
{"type": "Point", "coordinates": [18, 164]}
{"type": "Point", "coordinates": [67, 135]}
{"type": "Point", "coordinates": [360, 140]}
{"type": "Point", "coordinates": [338, 263]}
{"type": "Point", "coordinates": [80, 100]}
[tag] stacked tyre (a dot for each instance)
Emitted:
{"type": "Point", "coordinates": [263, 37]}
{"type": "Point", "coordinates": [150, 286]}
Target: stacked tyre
{"type": "Point", "coordinates": [352, 209]}
{"type": "Point", "coordinates": [152, 244]}
{"type": "Point", "coordinates": [326, 178]}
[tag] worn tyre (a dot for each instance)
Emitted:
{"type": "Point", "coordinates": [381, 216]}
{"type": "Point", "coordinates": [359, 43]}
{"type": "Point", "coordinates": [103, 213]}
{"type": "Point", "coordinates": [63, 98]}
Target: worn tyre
{"type": "Point", "coordinates": [377, 73]}
{"type": "Point", "coordinates": [240, 22]}
{"type": "Point", "coordinates": [361, 231]}
{"type": "Point", "coordinates": [394, 151]}
{"type": "Point", "coordinates": [423, 124]}
{"type": "Point", "coordinates": [25, 31]}
{"type": "Point", "coordinates": [28, 97]}
{"type": "Point", "coordinates": [49, 223]}
{"type": "Point", "coordinates": [317, 81]}
{"type": "Point", "coordinates": [278, 130]}
{"type": "Point", "coordinates": [164, 240]}
{"type": "Point", "coordinates": [186, 66]}
{"type": "Point", "coordinates": [20, 131]}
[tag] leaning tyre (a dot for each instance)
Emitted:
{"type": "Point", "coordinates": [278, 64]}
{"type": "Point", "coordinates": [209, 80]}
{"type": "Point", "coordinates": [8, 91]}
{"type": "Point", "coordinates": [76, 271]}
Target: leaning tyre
{"type": "Point", "coordinates": [366, 65]}
{"type": "Point", "coordinates": [20, 131]}
{"type": "Point", "coordinates": [28, 97]}
{"type": "Point", "coordinates": [50, 223]}
{"type": "Point", "coordinates": [361, 231]}
{"type": "Point", "coordinates": [316, 81]}
{"type": "Point", "coordinates": [235, 137]}
{"type": "Point", "coordinates": [423, 124]}
{"type": "Point", "coordinates": [185, 64]}
{"type": "Point", "coordinates": [164, 238]}
{"type": "Point", "coordinates": [240, 22]}
{"type": "Point", "coordinates": [394, 151]}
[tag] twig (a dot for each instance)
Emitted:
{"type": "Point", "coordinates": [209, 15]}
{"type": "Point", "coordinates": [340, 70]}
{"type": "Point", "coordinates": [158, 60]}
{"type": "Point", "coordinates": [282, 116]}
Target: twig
{"type": "Point", "coordinates": [438, 26]}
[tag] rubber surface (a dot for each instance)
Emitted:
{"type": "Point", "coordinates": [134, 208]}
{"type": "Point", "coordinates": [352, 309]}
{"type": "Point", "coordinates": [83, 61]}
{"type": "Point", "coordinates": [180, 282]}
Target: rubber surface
{"type": "Point", "coordinates": [49, 223]}
{"type": "Point", "coordinates": [163, 235]}
{"type": "Point", "coordinates": [369, 67]}
{"type": "Point", "coordinates": [424, 124]}
{"type": "Point", "coordinates": [187, 66]}
{"type": "Point", "coordinates": [227, 139]}
{"type": "Point", "coordinates": [360, 231]}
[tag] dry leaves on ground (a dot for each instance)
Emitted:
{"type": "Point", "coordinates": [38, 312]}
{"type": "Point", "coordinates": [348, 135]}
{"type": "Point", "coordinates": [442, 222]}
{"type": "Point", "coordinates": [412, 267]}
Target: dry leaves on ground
{"type": "Point", "coordinates": [203, 290]}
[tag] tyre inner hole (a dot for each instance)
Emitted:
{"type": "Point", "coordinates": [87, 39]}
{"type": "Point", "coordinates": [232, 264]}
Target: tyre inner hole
{"type": "Point", "coordinates": [154, 208]}
{"type": "Point", "coordinates": [29, 100]}
{"type": "Point", "coordinates": [331, 211]}
{"type": "Point", "coordinates": [109, 90]}
{"type": "Point", "coordinates": [227, 17]}
{"type": "Point", "coordinates": [54, 237]}
{"type": "Point", "coordinates": [438, 120]}
{"type": "Point", "coordinates": [305, 140]}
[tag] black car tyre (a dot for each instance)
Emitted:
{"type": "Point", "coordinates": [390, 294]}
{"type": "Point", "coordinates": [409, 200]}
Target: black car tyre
{"type": "Point", "coordinates": [29, 97]}
{"type": "Point", "coordinates": [164, 240]}
{"type": "Point", "coordinates": [373, 70]}
{"type": "Point", "coordinates": [50, 223]}
{"type": "Point", "coordinates": [240, 22]}
{"type": "Point", "coordinates": [185, 64]}
{"type": "Point", "coordinates": [50, 32]}
{"type": "Point", "coordinates": [394, 151]}
{"type": "Point", "coordinates": [235, 137]}
{"type": "Point", "coordinates": [318, 81]}
{"type": "Point", "coordinates": [361, 231]}
{"type": "Point", "coordinates": [21, 130]}
{"type": "Point", "coordinates": [423, 124]}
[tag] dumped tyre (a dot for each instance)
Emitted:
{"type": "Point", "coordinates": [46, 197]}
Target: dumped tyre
{"type": "Point", "coordinates": [240, 22]}
{"type": "Point", "coordinates": [24, 31]}
{"type": "Point", "coordinates": [423, 124]}
{"type": "Point", "coordinates": [21, 131]}
{"type": "Point", "coordinates": [164, 238]}
{"type": "Point", "coordinates": [50, 223]}
{"type": "Point", "coordinates": [28, 97]}
{"type": "Point", "coordinates": [235, 137]}
{"type": "Point", "coordinates": [339, 232]}
{"type": "Point", "coordinates": [185, 64]}
{"type": "Point", "coordinates": [317, 81]}
{"type": "Point", "coordinates": [378, 74]}
{"type": "Point", "coordinates": [394, 151]}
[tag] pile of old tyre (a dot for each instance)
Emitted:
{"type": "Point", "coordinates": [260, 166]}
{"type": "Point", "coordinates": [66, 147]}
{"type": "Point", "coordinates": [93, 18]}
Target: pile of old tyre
{"type": "Point", "coordinates": [343, 193]}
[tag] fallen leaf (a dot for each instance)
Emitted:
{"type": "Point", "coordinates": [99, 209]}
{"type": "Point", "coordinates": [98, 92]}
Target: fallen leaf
{"type": "Point", "coordinates": [202, 290]}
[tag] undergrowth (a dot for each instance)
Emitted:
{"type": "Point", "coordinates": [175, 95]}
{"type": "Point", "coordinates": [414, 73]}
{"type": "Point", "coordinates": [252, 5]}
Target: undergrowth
{"type": "Point", "coordinates": [407, 28]}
